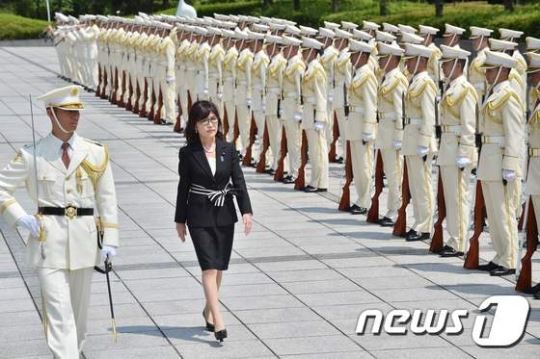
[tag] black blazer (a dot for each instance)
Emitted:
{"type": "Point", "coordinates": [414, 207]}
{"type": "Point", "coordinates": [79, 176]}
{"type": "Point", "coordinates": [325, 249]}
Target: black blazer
{"type": "Point", "coordinates": [197, 210]}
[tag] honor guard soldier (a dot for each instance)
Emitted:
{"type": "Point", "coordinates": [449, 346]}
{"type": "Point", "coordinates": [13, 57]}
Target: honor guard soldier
{"type": "Point", "coordinates": [215, 69]}
{"type": "Point", "coordinates": [452, 35]}
{"type": "Point", "coordinates": [390, 131]}
{"type": "Point", "coordinates": [434, 68]}
{"type": "Point", "coordinates": [499, 167]}
{"type": "Point", "coordinates": [419, 144]}
{"type": "Point", "coordinates": [533, 46]}
{"type": "Point", "coordinates": [70, 179]}
{"type": "Point", "coordinates": [457, 153]}
{"type": "Point", "coordinates": [519, 75]}
{"type": "Point", "coordinates": [229, 82]}
{"type": "Point", "coordinates": [315, 119]}
{"type": "Point", "coordinates": [292, 104]}
{"type": "Point", "coordinates": [362, 122]}
{"type": "Point", "coordinates": [390, 28]}
{"type": "Point", "coordinates": [477, 77]}
{"type": "Point", "coordinates": [533, 172]}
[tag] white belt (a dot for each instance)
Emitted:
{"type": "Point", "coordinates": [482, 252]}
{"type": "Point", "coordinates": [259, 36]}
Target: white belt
{"type": "Point", "coordinates": [415, 121]}
{"type": "Point", "coordinates": [498, 140]}
{"type": "Point", "coordinates": [310, 100]}
{"type": "Point", "coordinates": [534, 152]}
{"type": "Point", "coordinates": [455, 129]}
{"type": "Point", "coordinates": [388, 116]}
{"type": "Point", "coordinates": [274, 90]}
{"type": "Point", "coordinates": [292, 93]}
{"type": "Point", "coordinates": [356, 109]}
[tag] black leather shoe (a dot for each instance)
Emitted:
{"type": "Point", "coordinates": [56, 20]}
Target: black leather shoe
{"type": "Point", "coordinates": [357, 209]}
{"type": "Point", "coordinates": [532, 290]}
{"type": "Point", "coordinates": [537, 295]}
{"type": "Point", "coordinates": [322, 190]}
{"type": "Point", "coordinates": [417, 236]}
{"type": "Point", "coordinates": [339, 159]}
{"type": "Point", "coordinates": [501, 271]}
{"type": "Point", "coordinates": [220, 335]}
{"type": "Point", "coordinates": [209, 326]}
{"type": "Point", "coordinates": [288, 180]}
{"type": "Point", "coordinates": [310, 189]}
{"type": "Point", "coordinates": [448, 252]}
{"type": "Point", "coordinates": [270, 171]}
{"type": "Point", "coordinates": [386, 222]}
{"type": "Point", "coordinates": [487, 267]}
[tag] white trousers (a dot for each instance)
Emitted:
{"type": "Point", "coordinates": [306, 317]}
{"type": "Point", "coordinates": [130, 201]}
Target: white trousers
{"type": "Point", "coordinates": [318, 158]}
{"type": "Point", "coordinates": [275, 130]}
{"type": "Point", "coordinates": [362, 166]}
{"type": "Point", "coordinates": [294, 136]}
{"type": "Point", "coordinates": [419, 173]}
{"type": "Point", "coordinates": [66, 296]}
{"type": "Point", "coordinates": [456, 197]}
{"type": "Point", "coordinates": [393, 169]}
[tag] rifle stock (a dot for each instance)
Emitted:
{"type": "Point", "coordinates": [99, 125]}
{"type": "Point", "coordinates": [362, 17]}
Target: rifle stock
{"type": "Point", "coordinates": [130, 89]}
{"type": "Point", "coordinates": [332, 154]}
{"type": "Point", "coordinates": [261, 165]}
{"type": "Point", "coordinates": [525, 275]}
{"type": "Point", "coordinates": [178, 124]}
{"type": "Point", "coordinates": [142, 112]}
{"type": "Point", "coordinates": [345, 201]}
{"type": "Point", "coordinates": [373, 213]}
{"type": "Point", "coordinates": [249, 150]}
{"type": "Point", "coordinates": [226, 125]}
{"type": "Point", "coordinates": [400, 227]}
{"type": "Point", "coordinates": [100, 81]}
{"type": "Point", "coordinates": [473, 255]}
{"type": "Point", "coordinates": [159, 107]}
{"type": "Point", "coordinates": [300, 182]}
{"type": "Point", "coordinates": [437, 241]}
{"type": "Point", "coordinates": [278, 176]}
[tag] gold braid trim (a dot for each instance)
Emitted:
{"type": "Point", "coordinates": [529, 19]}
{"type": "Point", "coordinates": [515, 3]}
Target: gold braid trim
{"type": "Point", "coordinates": [6, 204]}
{"type": "Point", "coordinates": [96, 171]}
{"type": "Point", "coordinates": [291, 70]}
{"type": "Point", "coordinates": [493, 106]}
{"type": "Point", "coordinates": [515, 76]}
{"type": "Point", "coordinates": [385, 90]}
{"type": "Point", "coordinates": [420, 91]}
{"type": "Point", "coordinates": [534, 121]}
{"type": "Point", "coordinates": [363, 79]}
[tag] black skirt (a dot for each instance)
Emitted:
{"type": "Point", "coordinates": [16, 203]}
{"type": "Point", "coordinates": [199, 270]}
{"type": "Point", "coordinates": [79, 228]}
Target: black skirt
{"type": "Point", "coordinates": [213, 246]}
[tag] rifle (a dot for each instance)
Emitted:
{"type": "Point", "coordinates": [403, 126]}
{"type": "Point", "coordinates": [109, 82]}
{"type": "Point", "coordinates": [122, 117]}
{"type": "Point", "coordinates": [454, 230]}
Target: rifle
{"type": "Point", "coordinates": [472, 256]}
{"type": "Point", "coordinates": [524, 279]}
{"type": "Point", "coordinates": [153, 100]}
{"type": "Point", "coordinates": [159, 107]}
{"type": "Point", "coordinates": [123, 86]}
{"type": "Point", "coordinates": [249, 150]}
{"type": "Point", "coordinates": [345, 201]}
{"type": "Point", "coordinates": [261, 165]}
{"type": "Point", "coordinates": [142, 112]}
{"type": "Point", "coordinates": [437, 241]}
{"type": "Point", "coordinates": [278, 176]}
{"type": "Point", "coordinates": [400, 227]}
{"type": "Point", "coordinates": [332, 154]}
{"type": "Point", "coordinates": [373, 213]}
{"type": "Point", "coordinates": [114, 85]}
{"type": "Point", "coordinates": [225, 120]}
{"type": "Point", "coordinates": [130, 90]}
{"type": "Point", "coordinates": [300, 182]}
{"type": "Point", "coordinates": [178, 123]}
{"type": "Point", "coordinates": [100, 81]}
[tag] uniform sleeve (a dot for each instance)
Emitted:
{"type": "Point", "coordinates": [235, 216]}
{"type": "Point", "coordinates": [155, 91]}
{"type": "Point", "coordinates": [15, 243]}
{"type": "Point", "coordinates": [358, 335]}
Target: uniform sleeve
{"type": "Point", "coordinates": [170, 53]}
{"type": "Point", "coordinates": [12, 176]}
{"type": "Point", "coordinates": [107, 206]}
{"type": "Point", "coordinates": [205, 64]}
{"type": "Point", "coordinates": [298, 82]}
{"type": "Point", "coordinates": [467, 111]}
{"type": "Point", "coordinates": [249, 63]}
{"type": "Point", "coordinates": [513, 135]}
{"type": "Point", "coordinates": [427, 101]}
{"type": "Point", "coordinates": [321, 114]}
{"type": "Point", "coordinates": [397, 100]}
{"type": "Point", "coordinates": [183, 188]}
{"type": "Point", "coordinates": [369, 95]}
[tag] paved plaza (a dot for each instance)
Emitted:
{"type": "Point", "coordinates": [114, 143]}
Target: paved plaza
{"type": "Point", "coordinates": [295, 287]}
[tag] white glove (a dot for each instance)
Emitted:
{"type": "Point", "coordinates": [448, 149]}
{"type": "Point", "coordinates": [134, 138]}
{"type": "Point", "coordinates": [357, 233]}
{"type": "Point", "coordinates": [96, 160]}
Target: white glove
{"type": "Point", "coordinates": [422, 151]}
{"type": "Point", "coordinates": [319, 126]}
{"type": "Point", "coordinates": [462, 161]}
{"type": "Point", "coordinates": [298, 116]}
{"type": "Point", "coordinates": [169, 79]}
{"type": "Point", "coordinates": [396, 145]}
{"type": "Point", "coordinates": [30, 223]}
{"type": "Point", "coordinates": [368, 137]}
{"type": "Point", "coordinates": [331, 96]}
{"type": "Point", "coordinates": [205, 92]}
{"type": "Point", "coordinates": [220, 96]}
{"type": "Point", "coordinates": [509, 175]}
{"type": "Point", "coordinates": [248, 102]}
{"type": "Point", "coordinates": [107, 251]}
{"type": "Point", "coordinates": [263, 107]}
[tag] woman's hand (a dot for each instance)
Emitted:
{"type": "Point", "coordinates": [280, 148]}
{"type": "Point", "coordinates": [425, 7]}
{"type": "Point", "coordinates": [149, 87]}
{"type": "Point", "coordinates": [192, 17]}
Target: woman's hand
{"type": "Point", "coordinates": [181, 230]}
{"type": "Point", "coordinates": [246, 218]}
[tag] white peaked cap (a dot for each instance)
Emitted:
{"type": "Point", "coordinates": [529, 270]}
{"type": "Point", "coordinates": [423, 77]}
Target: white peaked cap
{"type": "Point", "coordinates": [234, 18]}
{"type": "Point", "coordinates": [498, 59]}
{"type": "Point", "coordinates": [407, 28]}
{"type": "Point", "coordinates": [418, 50]}
{"type": "Point", "coordinates": [286, 22]}
{"type": "Point", "coordinates": [227, 32]}
{"type": "Point", "coordinates": [348, 25]}
{"type": "Point", "coordinates": [221, 17]}
{"type": "Point", "coordinates": [240, 34]}
{"type": "Point", "coordinates": [293, 30]}
{"type": "Point", "coordinates": [534, 60]}
{"type": "Point", "coordinates": [390, 28]}
{"type": "Point", "coordinates": [228, 24]}
{"type": "Point", "coordinates": [215, 31]}
{"type": "Point", "coordinates": [454, 52]}
{"type": "Point", "coordinates": [331, 25]}
{"type": "Point", "coordinates": [384, 36]}
{"type": "Point", "coordinates": [453, 30]}
{"type": "Point", "coordinates": [533, 43]}
{"type": "Point", "coordinates": [369, 25]}
{"type": "Point", "coordinates": [277, 26]}
{"type": "Point", "coordinates": [361, 35]}
{"type": "Point", "coordinates": [61, 17]}
{"type": "Point", "coordinates": [409, 38]}
{"type": "Point", "coordinates": [260, 27]}
{"type": "Point", "coordinates": [274, 39]}
{"type": "Point", "coordinates": [201, 30]}
{"type": "Point", "coordinates": [65, 98]}
{"type": "Point", "coordinates": [360, 46]}
{"type": "Point", "coordinates": [389, 49]}
{"type": "Point", "coordinates": [427, 30]}
{"type": "Point", "coordinates": [476, 32]}
{"type": "Point", "coordinates": [510, 34]}
{"type": "Point", "coordinates": [254, 35]}
{"type": "Point", "coordinates": [291, 41]}
{"type": "Point", "coordinates": [324, 32]}
{"type": "Point", "coordinates": [312, 43]}
{"type": "Point", "coordinates": [501, 45]}
{"type": "Point", "coordinates": [343, 34]}
{"type": "Point", "coordinates": [102, 17]}
{"type": "Point", "coordinates": [308, 31]}
{"type": "Point", "coordinates": [266, 19]}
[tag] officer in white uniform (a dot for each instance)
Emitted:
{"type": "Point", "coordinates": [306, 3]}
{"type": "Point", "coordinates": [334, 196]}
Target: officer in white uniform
{"type": "Point", "coordinates": [74, 185]}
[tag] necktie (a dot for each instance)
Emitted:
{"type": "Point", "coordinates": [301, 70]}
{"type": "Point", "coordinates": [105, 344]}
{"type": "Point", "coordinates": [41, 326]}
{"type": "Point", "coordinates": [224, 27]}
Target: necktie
{"type": "Point", "coordinates": [65, 154]}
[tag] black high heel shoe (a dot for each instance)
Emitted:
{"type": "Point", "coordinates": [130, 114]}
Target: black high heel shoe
{"type": "Point", "coordinates": [220, 335]}
{"type": "Point", "coordinates": [209, 326]}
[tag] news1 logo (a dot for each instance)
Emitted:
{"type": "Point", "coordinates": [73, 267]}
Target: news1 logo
{"type": "Point", "coordinates": [507, 328]}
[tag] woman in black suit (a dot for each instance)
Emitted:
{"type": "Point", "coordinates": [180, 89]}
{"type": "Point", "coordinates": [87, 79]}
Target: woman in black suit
{"type": "Point", "coordinates": [208, 165]}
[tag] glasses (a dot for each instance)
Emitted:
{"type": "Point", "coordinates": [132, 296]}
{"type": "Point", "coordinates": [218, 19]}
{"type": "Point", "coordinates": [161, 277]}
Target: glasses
{"type": "Point", "coordinates": [209, 120]}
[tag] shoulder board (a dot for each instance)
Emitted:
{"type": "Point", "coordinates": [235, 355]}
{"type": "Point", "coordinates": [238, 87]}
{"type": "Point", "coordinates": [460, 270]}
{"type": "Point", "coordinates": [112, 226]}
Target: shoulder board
{"type": "Point", "coordinates": [363, 78]}
{"type": "Point", "coordinates": [422, 88]}
{"type": "Point", "coordinates": [457, 98]}
{"type": "Point", "coordinates": [502, 100]}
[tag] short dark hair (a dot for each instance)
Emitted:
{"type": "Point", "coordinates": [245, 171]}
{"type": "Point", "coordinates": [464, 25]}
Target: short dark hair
{"type": "Point", "coordinates": [199, 111]}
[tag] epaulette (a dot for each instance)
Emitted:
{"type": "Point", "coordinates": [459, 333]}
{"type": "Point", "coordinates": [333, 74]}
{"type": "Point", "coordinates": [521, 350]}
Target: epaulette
{"type": "Point", "coordinates": [498, 103]}
{"type": "Point", "coordinates": [363, 78]}
{"type": "Point", "coordinates": [400, 78]}
{"type": "Point", "coordinates": [452, 101]}
{"type": "Point", "coordinates": [420, 91]}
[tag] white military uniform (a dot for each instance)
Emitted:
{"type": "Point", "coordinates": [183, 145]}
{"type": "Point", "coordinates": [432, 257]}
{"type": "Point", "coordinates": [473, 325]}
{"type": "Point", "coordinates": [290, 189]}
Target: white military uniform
{"type": "Point", "coordinates": [362, 123]}
{"type": "Point", "coordinates": [328, 61]}
{"type": "Point", "coordinates": [243, 95]}
{"type": "Point", "coordinates": [259, 69]}
{"type": "Point", "coordinates": [229, 88]}
{"type": "Point", "coordinates": [66, 254]}
{"type": "Point", "coordinates": [533, 173]}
